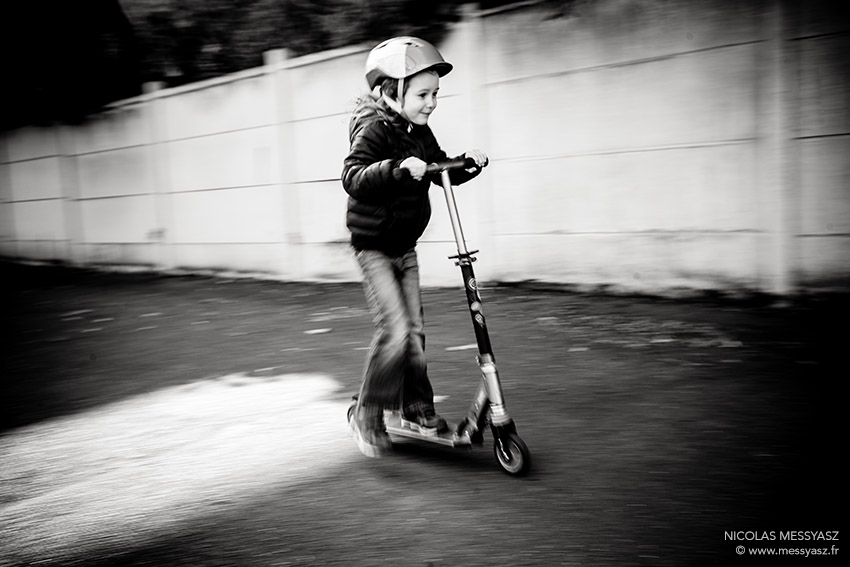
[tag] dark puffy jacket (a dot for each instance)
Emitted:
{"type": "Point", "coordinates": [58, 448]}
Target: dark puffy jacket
{"type": "Point", "coordinates": [387, 209]}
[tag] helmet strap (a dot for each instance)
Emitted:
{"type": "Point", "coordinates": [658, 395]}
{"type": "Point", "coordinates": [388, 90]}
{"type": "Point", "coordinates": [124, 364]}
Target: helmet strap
{"type": "Point", "coordinates": [392, 103]}
{"type": "Point", "coordinates": [400, 99]}
{"type": "Point", "coordinates": [397, 103]}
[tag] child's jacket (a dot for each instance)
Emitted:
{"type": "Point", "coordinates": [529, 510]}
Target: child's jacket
{"type": "Point", "coordinates": [387, 209]}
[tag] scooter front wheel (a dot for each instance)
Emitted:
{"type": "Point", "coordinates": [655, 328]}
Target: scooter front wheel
{"type": "Point", "coordinates": [512, 454]}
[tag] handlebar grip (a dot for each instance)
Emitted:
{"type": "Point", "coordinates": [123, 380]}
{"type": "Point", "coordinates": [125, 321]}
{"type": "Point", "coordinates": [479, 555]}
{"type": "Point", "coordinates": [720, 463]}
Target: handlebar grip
{"type": "Point", "coordinates": [459, 163]}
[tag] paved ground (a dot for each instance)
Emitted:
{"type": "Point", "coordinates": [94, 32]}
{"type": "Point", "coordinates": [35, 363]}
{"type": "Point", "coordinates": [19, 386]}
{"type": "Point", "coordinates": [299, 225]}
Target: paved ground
{"type": "Point", "coordinates": [198, 421]}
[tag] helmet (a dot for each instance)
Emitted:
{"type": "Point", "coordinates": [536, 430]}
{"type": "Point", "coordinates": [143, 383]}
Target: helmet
{"type": "Point", "coordinates": [402, 57]}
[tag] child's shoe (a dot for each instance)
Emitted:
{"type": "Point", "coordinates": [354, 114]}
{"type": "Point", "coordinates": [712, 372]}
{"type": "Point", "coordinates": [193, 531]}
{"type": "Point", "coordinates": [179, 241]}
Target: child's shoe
{"type": "Point", "coordinates": [424, 419]}
{"type": "Point", "coordinates": [369, 432]}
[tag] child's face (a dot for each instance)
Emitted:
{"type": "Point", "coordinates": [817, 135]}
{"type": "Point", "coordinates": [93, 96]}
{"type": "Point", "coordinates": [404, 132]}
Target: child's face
{"type": "Point", "coordinates": [420, 100]}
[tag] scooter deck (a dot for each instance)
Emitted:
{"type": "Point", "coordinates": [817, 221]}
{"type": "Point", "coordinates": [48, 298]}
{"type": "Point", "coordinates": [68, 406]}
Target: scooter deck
{"type": "Point", "coordinates": [396, 427]}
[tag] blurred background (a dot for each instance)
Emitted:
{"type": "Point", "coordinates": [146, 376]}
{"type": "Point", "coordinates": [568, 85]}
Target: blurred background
{"type": "Point", "coordinates": [639, 145]}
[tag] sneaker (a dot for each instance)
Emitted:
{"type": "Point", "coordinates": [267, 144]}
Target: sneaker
{"type": "Point", "coordinates": [367, 428]}
{"type": "Point", "coordinates": [424, 419]}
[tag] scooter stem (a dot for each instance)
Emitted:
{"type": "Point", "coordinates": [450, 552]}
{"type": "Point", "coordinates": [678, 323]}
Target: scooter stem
{"type": "Point", "coordinates": [489, 395]}
{"type": "Point", "coordinates": [453, 214]}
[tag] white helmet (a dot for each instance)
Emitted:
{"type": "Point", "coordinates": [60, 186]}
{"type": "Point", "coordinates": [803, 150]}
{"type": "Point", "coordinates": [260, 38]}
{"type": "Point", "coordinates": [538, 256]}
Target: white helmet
{"type": "Point", "coordinates": [402, 57]}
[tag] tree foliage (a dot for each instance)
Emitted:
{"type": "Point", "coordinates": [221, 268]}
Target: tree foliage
{"type": "Point", "coordinates": [66, 60]}
{"type": "Point", "coordinates": [63, 60]}
{"type": "Point", "coordinates": [187, 40]}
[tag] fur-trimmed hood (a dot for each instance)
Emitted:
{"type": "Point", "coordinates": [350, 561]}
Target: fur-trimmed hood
{"type": "Point", "coordinates": [370, 108]}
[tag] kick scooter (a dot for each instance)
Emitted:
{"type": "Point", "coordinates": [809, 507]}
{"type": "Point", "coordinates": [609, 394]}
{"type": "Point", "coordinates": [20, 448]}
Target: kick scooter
{"type": "Point", "coordinates": [488, 404]}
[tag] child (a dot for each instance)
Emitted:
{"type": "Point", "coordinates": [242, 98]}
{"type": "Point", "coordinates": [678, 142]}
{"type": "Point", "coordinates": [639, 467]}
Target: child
{"type": "Point", "coordinates": [388, 210]}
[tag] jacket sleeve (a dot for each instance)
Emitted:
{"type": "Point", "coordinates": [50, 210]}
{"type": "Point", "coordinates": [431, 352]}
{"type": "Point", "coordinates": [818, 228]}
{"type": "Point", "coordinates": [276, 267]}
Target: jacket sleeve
{"type": "Point", "coordinates": [367, 173]}
{"type": "Point", "coordinates": [436, 154]}
{"type": "Point", "coordinates": [461, 176]}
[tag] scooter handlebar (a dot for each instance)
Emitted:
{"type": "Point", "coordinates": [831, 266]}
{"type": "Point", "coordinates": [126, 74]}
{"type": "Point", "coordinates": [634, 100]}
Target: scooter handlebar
{"type": "Point", "coordinates": [458, 163]}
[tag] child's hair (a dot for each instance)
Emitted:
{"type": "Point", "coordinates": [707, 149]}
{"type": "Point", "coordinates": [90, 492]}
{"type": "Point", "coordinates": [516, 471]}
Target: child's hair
{"type": "Point", "coordinates": [389, 86]}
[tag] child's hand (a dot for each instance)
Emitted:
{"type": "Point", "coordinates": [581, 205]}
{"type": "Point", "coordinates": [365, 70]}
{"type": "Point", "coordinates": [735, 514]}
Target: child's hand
{"type": "Point", "coordinates": [415, 166]}
{"type": "Point", "coordinates": [480, 157]}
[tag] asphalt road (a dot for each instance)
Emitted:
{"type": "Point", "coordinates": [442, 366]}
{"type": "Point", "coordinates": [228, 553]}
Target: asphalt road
{"type": "Point", "coordinates": [200, 421]}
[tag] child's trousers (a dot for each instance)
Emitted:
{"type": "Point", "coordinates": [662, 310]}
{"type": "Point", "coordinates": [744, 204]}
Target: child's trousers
{"type": "Point", "coordinates": [396, 373]}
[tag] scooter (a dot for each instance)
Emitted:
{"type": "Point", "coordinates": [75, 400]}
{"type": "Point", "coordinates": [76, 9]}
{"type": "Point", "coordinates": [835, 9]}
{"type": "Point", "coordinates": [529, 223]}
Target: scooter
{"type": "Point", "coordinates": [488, 404]}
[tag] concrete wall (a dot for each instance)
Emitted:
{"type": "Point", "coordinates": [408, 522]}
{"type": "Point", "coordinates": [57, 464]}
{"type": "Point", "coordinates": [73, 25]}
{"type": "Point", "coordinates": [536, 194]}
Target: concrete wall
{"type": "Point", "coordinates": [641, 144]}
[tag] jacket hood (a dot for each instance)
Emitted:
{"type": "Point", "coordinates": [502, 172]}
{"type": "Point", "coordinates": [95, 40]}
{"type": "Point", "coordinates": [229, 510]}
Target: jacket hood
{"type": "Point", "coordinates": [371, 108]}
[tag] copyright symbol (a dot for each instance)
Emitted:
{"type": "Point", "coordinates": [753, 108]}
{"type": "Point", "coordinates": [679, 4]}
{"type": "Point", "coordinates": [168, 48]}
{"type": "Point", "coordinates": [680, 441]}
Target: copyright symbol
{"type": "Point", "coordinates": [740, 550]}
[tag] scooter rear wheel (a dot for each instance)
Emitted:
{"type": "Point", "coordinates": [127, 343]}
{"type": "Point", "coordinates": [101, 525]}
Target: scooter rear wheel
{"type": "Point", "coordinates": [512, 454]}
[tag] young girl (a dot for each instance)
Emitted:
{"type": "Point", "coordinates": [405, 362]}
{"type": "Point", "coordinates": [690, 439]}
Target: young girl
{"type": "Point", "coordinates": [388, 210]}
